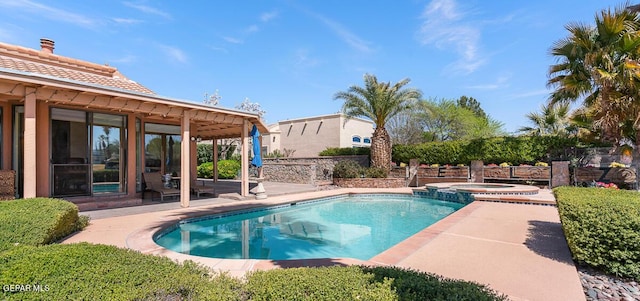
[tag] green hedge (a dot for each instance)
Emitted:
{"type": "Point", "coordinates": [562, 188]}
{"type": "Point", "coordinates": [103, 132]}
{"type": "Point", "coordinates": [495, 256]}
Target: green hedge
{"type": "Point", "coordinates": [345, 151]}
{"type": "Point", "coordinates": [602, 227]}
{"type": "Point", "coordinates": [415, 285]}
{"type": "Point", "coordinates": [37, 221]}
{"type": "Point", "coordinates": [517, 150]}
{"type": "Point", "coordinates": [88, 272]}
{"type": "Point", "coordinates": [361, 283]}
{"type": "Point", "coordinates": [91, 272]}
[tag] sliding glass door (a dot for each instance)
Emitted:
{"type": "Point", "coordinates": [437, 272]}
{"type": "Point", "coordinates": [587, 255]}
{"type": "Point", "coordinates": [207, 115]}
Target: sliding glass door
{"type": "Point", "coordinates": [86, 153]}
{"type": "Point", "coordinates": [107, 153]}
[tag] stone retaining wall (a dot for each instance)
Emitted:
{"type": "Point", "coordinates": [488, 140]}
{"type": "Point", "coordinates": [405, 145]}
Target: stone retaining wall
{"type": "Point", "coordinates": [285, 169]}
{"type": "Point", "coordinates": [370, 183]}
{"type": "Point", "coordinates": [299, 173]}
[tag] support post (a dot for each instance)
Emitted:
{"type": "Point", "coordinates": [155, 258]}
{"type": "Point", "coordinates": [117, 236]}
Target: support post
{"type": "Point", "coordinates": [215, 160]}
{"type": "Point", "coordinates": [185, 160]}
{"type": "Point", "coordinates": [244, 166]}
{"type": "Point", "coordinates": [30, 148]}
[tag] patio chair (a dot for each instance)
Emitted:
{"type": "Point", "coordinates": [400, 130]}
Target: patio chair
{"type": "Point", "coordinates": [154, 182]}
{"type": "Point", "coordinates": [199, 187]}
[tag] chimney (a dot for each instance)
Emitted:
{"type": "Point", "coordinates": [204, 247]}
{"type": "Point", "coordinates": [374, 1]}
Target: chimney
{"type": "Point", "coordinates": [47, 45]}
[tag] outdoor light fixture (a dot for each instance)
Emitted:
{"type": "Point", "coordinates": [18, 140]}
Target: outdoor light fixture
{"type": "Point", "coordinates": [196, 138]}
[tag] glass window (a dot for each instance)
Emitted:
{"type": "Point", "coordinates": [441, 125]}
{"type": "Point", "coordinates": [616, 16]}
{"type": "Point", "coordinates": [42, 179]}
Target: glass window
{"type": "Point", "coordinates": [356, 139]}
{"type": "Point", "coordinates": [367, 140]}
{"type": "Point", "coordinates": [162, 148]}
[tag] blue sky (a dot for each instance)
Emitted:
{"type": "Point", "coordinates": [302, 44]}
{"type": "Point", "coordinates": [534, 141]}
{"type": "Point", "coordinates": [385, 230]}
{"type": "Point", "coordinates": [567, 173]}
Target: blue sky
{"type": "Point", "coordinates": [291, 57]}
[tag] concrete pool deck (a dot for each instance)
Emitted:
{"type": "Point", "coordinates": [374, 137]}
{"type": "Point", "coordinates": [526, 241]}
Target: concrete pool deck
{"type": "Point", "coordinates": [516, 249]}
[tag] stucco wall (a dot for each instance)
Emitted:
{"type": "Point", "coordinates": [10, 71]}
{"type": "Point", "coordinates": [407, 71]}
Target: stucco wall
{"type": "Point", "coordinates": [309, 136]}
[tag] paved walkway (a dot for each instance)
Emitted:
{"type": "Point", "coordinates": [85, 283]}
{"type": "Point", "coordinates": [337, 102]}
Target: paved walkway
{"type": "Point", "coordinates": [516, 249]}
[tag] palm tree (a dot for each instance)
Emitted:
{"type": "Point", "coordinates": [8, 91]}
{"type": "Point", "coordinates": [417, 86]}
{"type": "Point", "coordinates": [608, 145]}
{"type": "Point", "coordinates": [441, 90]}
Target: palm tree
{"type": "Point", "coordinates": [551, 120]}
{"type": "Point", "coordinates": [599, 65]}
{"type": "Point", "coordinates": [379, 102]}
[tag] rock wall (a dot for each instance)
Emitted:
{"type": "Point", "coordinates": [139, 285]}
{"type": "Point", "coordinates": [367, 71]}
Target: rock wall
{"type": "Point", "coordinates": [285, 169]}
{"type": "Point", "coordinates": [299, 173]}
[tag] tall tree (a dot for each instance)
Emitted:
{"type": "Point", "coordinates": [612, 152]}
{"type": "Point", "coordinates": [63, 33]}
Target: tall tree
{"type": "Point", "coordinates": [446, 120]}
{"type": "Point", "coordinates": [599, 65]}
{"type": "Point", "coordinates": [551, 120]}
{"type": "Point", "coordinates": [378, 101]}
{"type": "Point", "coordinates": [406, 127]}
{"type": "Point", "coordinates": [473, 105]}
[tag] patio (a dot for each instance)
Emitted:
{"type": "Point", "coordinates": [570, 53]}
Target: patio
{"type": "Point", "coordinates": [516, 249]}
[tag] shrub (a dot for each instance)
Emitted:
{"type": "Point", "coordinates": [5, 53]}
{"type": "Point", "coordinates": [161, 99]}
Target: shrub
{"type": "Point", "coordinates": [415, 285]}
{"type": "Point", "coordinates": [347, 169]}
{"type": "Point", "coordinates": [324, 283]}
{"type": "Point", "coordinates": [346, 151]}
{"type": "Point", "coordinates": [89, 272]}
{"type": "Point", "coordinates": [360, 283]}
{"type": "Point", "coordinates": [375, 172]}
{"type": "Point", "coordinates": [602, 227]}
{"type": "Point", "coordinates": [37, 221]}
{"type": "Point", "coordinates": [228, 169]}
{"type": "Point", "coordinates": [205, 170]}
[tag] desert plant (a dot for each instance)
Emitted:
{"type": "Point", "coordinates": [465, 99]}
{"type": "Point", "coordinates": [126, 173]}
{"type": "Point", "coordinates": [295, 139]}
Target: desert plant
{"type": "Point", "coordinates": [347, 169]}
{"type": "Point", "coordinates": [375, 172]}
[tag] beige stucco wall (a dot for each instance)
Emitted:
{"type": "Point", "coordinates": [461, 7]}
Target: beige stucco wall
{"type": "Point", "coordinates": [309, 136]}
{"type": "Point", "coordinates": [271, 140]}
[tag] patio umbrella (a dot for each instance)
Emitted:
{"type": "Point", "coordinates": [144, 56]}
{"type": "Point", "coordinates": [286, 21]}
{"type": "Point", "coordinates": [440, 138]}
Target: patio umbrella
{"type": "Point", "coordinates": [257, 158]}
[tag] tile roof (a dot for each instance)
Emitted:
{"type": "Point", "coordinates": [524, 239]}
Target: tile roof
{"type": "Point", "coordinates": [44, 63]}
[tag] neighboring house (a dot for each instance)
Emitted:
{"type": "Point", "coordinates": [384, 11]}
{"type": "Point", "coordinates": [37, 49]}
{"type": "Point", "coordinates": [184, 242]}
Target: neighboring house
{"type": "Point", "coordinates": [76, 129]}
{"type": "Point", "coordinates": [307, 137]}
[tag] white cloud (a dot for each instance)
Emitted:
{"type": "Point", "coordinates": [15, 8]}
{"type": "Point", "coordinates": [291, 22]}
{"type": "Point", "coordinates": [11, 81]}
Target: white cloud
{"type": "Point", "coordinates": [174, 53]}
{"type": "Point", "coordinates": [252, 29]}
{"type": "Point", "coordinates": [220, 49]}
{"type": "Point", "coordinates": [303, 59]}
{"type": "Point", "coordinates": [343, 33]}
{"type": "Point", "coordinates": [444, 27]}
{"type": "Point", "coordinates": [233, 40]}
{"type": "Point", "coordinates": [268, 16]}
{"type": "Point", "coordinates": [148, 10]}
{"type": "Point", "coordinates": [49, 12]}
{"type": "Point", "coordinates": [126, 21]}
{"type": "Point", "coordinates": [125, 59]}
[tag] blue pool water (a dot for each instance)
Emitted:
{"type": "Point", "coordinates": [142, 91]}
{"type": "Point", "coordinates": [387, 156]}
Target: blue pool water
{"type": "Point", "coordinates": [348, 226]}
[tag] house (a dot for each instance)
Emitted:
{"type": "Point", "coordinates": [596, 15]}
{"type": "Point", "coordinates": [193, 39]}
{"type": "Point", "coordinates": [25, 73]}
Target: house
{"type": "Point", "coordinates": [307, 137]}
{"type": "Point", "coordinates": [75, 129]}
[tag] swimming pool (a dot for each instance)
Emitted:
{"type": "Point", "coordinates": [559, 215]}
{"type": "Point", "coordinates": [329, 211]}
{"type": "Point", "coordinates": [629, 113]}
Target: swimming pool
{"type": "Point", "coordinates": [359, 226]}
